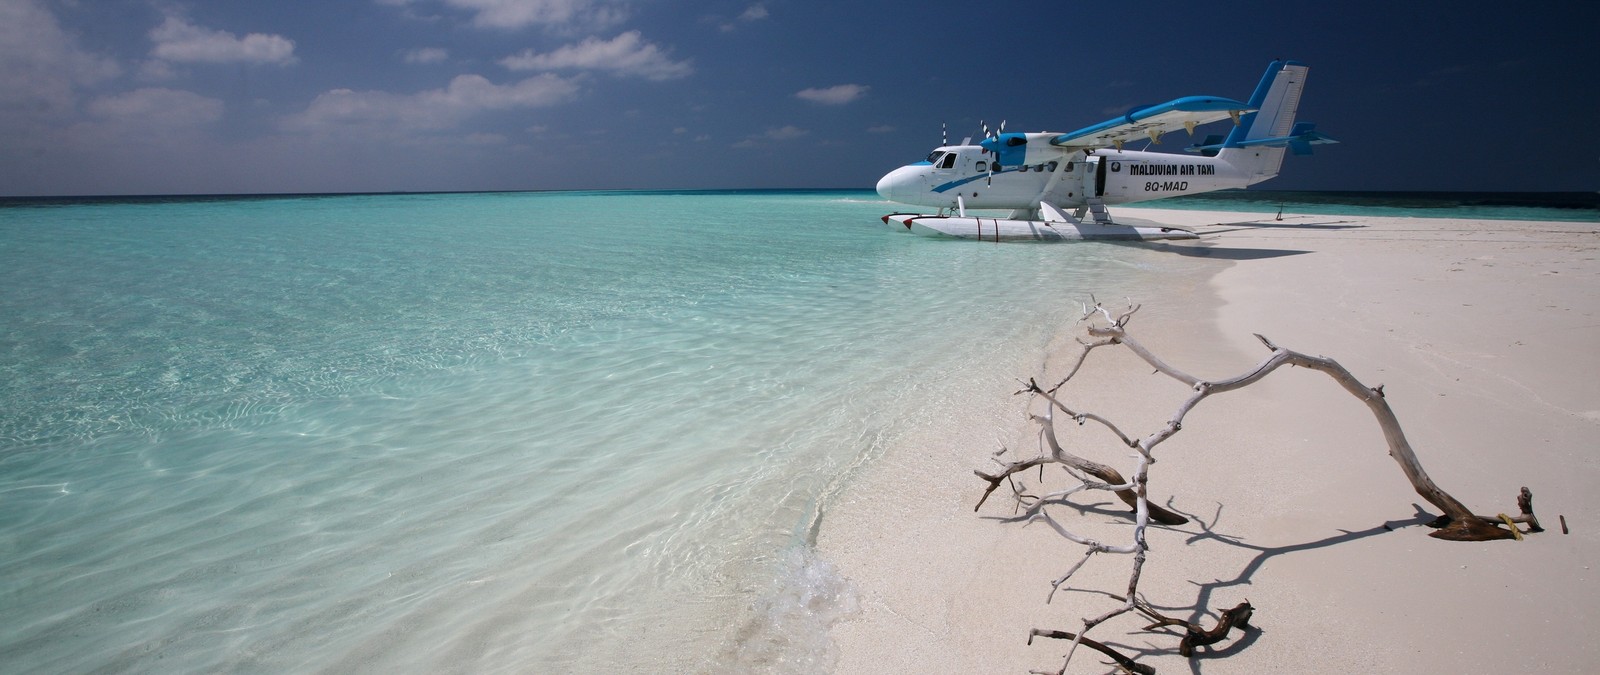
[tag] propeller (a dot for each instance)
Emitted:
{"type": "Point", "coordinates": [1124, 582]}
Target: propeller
{"type": "Point", "coordinates": [987, 136]}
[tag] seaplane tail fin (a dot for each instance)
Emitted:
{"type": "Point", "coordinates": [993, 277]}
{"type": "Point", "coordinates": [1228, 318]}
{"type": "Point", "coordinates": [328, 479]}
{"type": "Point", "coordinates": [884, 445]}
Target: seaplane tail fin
{"type": "Point", "coordinates": [1256, 146]}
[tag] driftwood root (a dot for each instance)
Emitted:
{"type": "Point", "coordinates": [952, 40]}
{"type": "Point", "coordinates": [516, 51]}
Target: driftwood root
{"type": "Point", "coordinates": [1195, 636]}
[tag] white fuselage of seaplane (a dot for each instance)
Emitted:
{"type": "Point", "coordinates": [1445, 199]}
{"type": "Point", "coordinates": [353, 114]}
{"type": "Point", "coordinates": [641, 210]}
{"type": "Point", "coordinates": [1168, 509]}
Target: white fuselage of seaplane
{"type": "Point", "coordinates": [1043, 176]}
{"type": "Point", "coordinates": [1112, 176]}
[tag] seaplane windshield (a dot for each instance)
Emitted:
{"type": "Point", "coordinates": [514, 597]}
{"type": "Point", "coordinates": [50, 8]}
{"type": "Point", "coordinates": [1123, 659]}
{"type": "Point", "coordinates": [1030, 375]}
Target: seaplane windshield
{"type": "Point", "coordinates": [934, 158]}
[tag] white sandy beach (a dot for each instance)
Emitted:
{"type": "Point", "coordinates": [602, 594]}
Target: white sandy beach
{"type": "Point", "coordinates": [1486, 336]}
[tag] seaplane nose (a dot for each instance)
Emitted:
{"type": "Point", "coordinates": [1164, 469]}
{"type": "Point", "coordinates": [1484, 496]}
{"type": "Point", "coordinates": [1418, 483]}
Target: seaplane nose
{"type": "Point", "coordinates": [898, 184]}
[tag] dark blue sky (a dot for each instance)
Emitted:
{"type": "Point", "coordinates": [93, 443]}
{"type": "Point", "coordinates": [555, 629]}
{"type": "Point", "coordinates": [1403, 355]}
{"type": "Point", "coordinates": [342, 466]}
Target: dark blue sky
{"type": "Point", "coordinates": [233, 96]}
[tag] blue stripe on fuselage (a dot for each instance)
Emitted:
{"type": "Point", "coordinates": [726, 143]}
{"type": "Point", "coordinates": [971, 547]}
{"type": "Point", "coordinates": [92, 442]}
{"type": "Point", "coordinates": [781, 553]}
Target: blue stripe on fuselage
{"type": "Point", "coordinates": [958, 183]}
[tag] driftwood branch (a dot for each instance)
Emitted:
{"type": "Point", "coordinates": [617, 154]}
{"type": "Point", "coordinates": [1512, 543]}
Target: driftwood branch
{"type": "Point", "coordinates": [1059, 455]}
{"type": "Point", "coordinates": [1122, 660]}
{"type": "Point", "coordinates": [1195, 636]}
{"type": "Point", "coordinates": [1458, 522]}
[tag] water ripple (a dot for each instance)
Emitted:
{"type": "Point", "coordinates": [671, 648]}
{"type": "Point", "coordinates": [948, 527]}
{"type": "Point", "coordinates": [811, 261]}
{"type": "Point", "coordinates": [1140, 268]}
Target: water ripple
{"type": "Point", "coordinates": [472, 433]}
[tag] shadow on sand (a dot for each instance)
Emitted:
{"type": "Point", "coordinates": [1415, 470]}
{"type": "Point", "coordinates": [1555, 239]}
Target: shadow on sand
{"type": "Point", "coordinates": [1226, 253]}
{"type": "Point", "coordinates": [1246, 225]}
{"type": "Point", "coordinates": [1216, 252]}
{"type": "Point", "coordinates": [1201, 612]}
{"type": "Point", "coordinates": [1203, 600]}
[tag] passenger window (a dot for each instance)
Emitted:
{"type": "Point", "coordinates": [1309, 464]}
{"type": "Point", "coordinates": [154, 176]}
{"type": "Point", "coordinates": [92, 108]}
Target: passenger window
{"type": "Point", "coordinates": [1071, 166]}
{"type": "Point", "coordinates": [983, 167]}
{"type": "Point", "coordinates": [1051, 167]}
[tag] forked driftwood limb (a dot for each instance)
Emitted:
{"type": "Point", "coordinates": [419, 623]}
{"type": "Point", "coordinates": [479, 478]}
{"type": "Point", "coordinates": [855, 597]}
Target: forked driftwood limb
{"type": "Point", "coordinates": [1058, 455]}
{"type": "Point", "coordinates": [1458, 522]}
{"type": "Point", "coordinates": [1195, 636]}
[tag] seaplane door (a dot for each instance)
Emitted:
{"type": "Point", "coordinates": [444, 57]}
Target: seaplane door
{"type": "Point", "coordinates": [1097, 168]}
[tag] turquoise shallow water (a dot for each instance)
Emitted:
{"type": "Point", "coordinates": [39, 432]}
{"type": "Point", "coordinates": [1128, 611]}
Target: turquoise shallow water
{"type": "Point", "coordinates": [472, 433]}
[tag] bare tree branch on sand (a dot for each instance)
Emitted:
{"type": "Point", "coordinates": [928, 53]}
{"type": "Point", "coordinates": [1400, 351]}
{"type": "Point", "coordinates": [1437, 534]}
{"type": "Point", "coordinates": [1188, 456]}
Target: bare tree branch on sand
{"type": "Point", "coordinates": [1106, 330]}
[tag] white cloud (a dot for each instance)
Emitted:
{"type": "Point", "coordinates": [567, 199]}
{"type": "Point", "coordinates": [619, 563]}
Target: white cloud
{"type": "Point", "coordinates": [426, 55]}
{"type": "Point", "coordinates": [41, 66]}
{"type": "Point", "coordinates": [157, 108]}
{"type": "Point", "coordinates": [881, 129]}
{"type": "Point", "coordinates": [835, 95]}
{"type": "Point", "coordinates": [751, 14]}
{"type": "Point", "coordinates": [156, 70]}
{"type": "Point", "coordinates": [513, 14]}
{"type": "Point", "coordinates": [626, 54]}
{"type": "Point", "coordinates": [786, 133]}
{"type": "Point", "coordinates": [466, 95]}
{"type": "Point", "coordinates": [182, 42]}
{"type": "Point", "coordinates": [134, 136]}
{"type": "Point", "coordinates": [756, 12]}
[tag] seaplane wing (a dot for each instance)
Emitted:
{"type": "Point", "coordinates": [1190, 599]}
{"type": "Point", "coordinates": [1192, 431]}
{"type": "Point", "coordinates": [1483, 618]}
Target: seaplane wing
{"type": "Point", "coordinates": [1152, 121]}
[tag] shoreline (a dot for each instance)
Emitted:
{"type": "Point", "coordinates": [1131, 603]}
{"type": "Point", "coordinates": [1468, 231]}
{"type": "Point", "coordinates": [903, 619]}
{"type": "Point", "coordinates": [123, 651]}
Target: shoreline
{"type": "Point", "coordinates": [1481, 332]}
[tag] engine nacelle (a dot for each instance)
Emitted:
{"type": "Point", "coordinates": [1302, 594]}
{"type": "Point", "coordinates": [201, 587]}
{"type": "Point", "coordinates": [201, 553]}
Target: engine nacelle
{"type": "Point", "coordinates": [1015, 149]}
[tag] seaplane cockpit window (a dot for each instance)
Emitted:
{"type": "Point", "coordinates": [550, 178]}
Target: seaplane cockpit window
{"type": "Point", "coordinates": [934, 157]}
{"type": "Point", "coordinates": [949, 161]}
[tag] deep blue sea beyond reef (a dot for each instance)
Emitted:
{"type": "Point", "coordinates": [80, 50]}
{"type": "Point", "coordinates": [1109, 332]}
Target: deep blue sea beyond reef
{"type": "Point", "coordinates": [510, 432]}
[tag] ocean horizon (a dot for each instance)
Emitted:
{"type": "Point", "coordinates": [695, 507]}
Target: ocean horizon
{"type": "Point", "coordinates": [1564, 206]}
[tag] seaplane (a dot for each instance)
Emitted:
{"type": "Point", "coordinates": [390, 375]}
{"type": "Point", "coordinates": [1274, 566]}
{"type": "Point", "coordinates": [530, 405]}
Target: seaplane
{"type": "Point", "coordinates": [1058, 185]}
